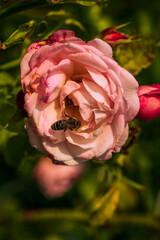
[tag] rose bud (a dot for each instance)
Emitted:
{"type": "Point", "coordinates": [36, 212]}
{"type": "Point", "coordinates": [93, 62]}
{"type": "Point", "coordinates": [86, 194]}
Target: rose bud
{"type": "Point", "coordinates": [114, 36]}
{"type": "Point", "coordinates": [149, 97]}
{"type": "Point", "coordinates": [56, 180]}
{"type": "Point", "coordinates": [78, 99]}
{"type": "Point", "coordinates": [111, 36]}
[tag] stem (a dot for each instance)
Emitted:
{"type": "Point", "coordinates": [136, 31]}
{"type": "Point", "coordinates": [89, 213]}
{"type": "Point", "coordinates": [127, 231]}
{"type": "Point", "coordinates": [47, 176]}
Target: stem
{"type": "Point", "coordinates": [138, 220]}
{"type": "Point", "coordinates": [133, 184]}
{"type": "Point", "coordinates": [41, 3]}
{"type": "Point", "coordinates": [117, 220]}
{"type": "Point", "coordinates": [11, 64]}
{"type": "Point", "coordinates": [21, 7]}
{"type": "Point", "coordinates": [83, 2]}
{"type": "Point", "coordinates": [51, 214]}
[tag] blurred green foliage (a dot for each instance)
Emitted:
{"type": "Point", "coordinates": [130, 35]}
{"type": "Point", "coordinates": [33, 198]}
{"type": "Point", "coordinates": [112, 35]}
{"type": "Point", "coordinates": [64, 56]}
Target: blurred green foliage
{"type": "Point", "coordinates": [108, 201]}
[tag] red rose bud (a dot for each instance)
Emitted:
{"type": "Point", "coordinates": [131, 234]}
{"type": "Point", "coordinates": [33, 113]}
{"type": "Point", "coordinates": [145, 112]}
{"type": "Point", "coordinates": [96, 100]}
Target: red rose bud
{"type": "Point", "coordinates": [114, 36]}
{"type": "Point", "coordinates": [111, 36]}
{"type": "Point", "coordinates": [149, 97]}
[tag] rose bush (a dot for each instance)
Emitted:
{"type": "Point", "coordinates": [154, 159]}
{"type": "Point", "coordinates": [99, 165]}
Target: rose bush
{"type": "Point", "coordinates": [64, 75]}
{"type": "Point", "coordinates": [149, 97]}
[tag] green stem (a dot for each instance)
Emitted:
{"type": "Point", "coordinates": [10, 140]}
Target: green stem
{"type": "Point", "coordinates": [21, 7]}
{"type": "Point", "coordinates": [83, 2]}
{"type": "Point", "coordinates": [137, 220]}
{"type": "Point", "coordinates": [51, 214]}
{"type": "Point", "coordinates": [116, 172]}
{"type": "Point", "coordinates": [10, 64]}
{"type": "Point", "coordinates": [41, 3]}
{"type": "Point", "coordinates": [133, 184]}
{"type": "Point", "coordinates": [117, 220]}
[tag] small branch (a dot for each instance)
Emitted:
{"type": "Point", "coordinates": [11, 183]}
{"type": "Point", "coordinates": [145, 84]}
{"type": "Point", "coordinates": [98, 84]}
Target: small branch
{"type": "Point", "coordinates": [21, 7]}
{"type": "Point", "coordinates": [148, 221]}
{"type": "Point", "coordinates": [133, 184]}
{"type": "Point", "coordinates": [11, 64]}
{"type": "Point", "coordinates": [41, 3]}
{"type": "Point", "coordinates": [40, 215]}
{"type": "Point", "coordinates": [137, 220]}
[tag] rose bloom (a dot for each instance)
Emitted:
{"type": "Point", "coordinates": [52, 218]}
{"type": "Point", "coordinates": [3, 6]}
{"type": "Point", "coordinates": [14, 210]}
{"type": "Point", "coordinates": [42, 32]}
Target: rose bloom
{"type": "Point", "coordinates": [56, 180]}
{"type": "Point", "coordinates": [64, 75]}
{"type": "Point", "coordinates": [149, 97]}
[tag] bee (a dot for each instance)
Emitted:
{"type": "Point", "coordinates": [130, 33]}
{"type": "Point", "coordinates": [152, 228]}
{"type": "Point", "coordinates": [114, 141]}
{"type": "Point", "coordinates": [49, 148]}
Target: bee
{"type": "Point", "coordinates": [71, 123]}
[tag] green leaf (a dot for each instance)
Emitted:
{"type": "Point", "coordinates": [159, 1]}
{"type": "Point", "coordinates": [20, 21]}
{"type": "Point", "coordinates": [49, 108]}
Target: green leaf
{"type": "Point", "coordinates": [82, 2]}
{"type": "Point", "coordinates": [11, 64]}
{"type": "Point", "coordinates": [58, 15]}
{"type": "Point", "coordinates": [136, 55]}
{"type": "Point", "coordinates": [23, 31]}
{"type": "Point", "coordinates": [15, 150]}
{"type": "Point", "coordinates": [76, 23]}
{"type": "Point", "coordinates": [6, 79]}
{"type": "Point", "coordinates": [8, 109]}
{"type": "Point", "coordinates": [40, 28]}
{"type": "Point", "coordinates": [105, 207]}
{"type": "Point", "coordinates": [133, 184]}
{"type": "Point", "coordinates": [128, 197]}
{"type": "Point", "coordinates": [4, 137]}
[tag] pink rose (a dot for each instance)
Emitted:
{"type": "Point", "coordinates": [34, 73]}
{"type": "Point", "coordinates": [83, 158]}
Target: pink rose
{"type": "Point", "coordinates": [64, 75]}
{"type": "Point", "coordinates": [149, 97]}
{"type": "Point", "coordinates": [56, 180]}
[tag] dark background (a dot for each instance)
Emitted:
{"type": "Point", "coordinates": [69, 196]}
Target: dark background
{"type": "Point", "coordinates": [19, 192]}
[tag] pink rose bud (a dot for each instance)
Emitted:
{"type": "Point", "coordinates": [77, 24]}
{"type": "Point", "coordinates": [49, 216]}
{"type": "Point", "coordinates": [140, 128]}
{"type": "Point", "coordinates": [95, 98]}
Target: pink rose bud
{"type": "Point", "coordinates": [149, 97]}
{"type": "Point", "coordinates": [78, 99]}
{"type": "Point", "coordinates": [56, 180]}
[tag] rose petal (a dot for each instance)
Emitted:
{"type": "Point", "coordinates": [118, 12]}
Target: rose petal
{"type": "Point", "coordinates": [80, 153]}
{"type": "Point", "coordinates": [101, 46]}
{"type": "Point", "coordinates": [130, 87]}
{"type": "Point", "coordinates": [53, 85]}
{"type": "Point", "coordinates": [89, 59]}
{"type": "Point", "coordinates": [30, 102]}
{"type": "Point", "coordinates": [45, 67]}
{"type": "Point", "coordinates": [25, 68]}
{"type": "Point", "coordinates": [144, 89]}
{"type": "Point", "coordinates": [80, 141]}
{"type": "Point", "coordinates": [45, 52]}
{"type": "Point", "coordinates": [67, 89]}
{"type": "Point", "coordinates": [67, 66]}
{"type": "Point", "coordinates": [100, 115]}
{"type": "Point", "coordinates": [96, 92]}
{"type": "Point", "coordinates": [104, 141]}
{"type": "Point", "coordinates": [34, 138]}
{"type": "Point", "coordinates": [98, 78]}
{"type": "Point", "coordinates": [59, 152]}
{"type": "Point", "coordinates": [121, 140]}
{"type": "Point", "coordinates": [85, 102]}
{"type": "Point", "coordinates": [111, 64]}
{"type": "Point", "coordinates": [60, 35]}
